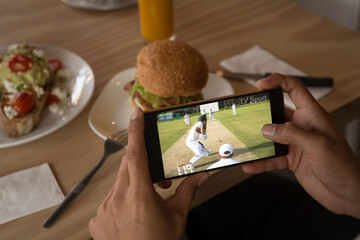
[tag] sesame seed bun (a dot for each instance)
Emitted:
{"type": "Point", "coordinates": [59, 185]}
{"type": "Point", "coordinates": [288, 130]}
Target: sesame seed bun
{"type": "Point", "coordinates": [171, 68]}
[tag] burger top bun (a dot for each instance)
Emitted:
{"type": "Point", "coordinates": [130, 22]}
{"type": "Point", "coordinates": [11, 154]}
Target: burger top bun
{"type": "Point", "coordinates": [171, 68]}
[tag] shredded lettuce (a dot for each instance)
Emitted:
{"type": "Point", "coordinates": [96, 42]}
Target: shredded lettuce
{"type": "Point", "coordinates": [152, 98]}
{"type": "Point", "coordinates": [149, 97]}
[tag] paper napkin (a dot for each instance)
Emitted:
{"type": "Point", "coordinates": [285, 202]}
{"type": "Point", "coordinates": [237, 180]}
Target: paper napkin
{"type": "Point", "coordinates": [28, 191]}
{"type": "Point", "coordinates": [259, 61]}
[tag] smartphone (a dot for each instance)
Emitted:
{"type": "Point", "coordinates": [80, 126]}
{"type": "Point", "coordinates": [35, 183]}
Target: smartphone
{"type": "Point", "coordinates": [212, 134]}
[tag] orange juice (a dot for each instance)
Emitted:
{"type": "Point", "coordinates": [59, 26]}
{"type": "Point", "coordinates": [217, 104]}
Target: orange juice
{"type": "Point", "coordinates": [156, 19]}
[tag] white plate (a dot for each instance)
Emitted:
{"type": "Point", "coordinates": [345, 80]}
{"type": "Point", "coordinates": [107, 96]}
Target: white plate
{"type": "Point", "coordinates": [81, 87]}
{"type": "Point", "coordinates": [111, 111]}
{"type": "Point", "coordinates": [100, 5]}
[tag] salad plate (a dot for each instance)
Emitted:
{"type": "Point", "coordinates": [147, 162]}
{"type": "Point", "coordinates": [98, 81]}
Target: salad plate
{"type": "Point", "coordinates": [79, 84]}
{"type": "Point", "coordinates": [111, 110]}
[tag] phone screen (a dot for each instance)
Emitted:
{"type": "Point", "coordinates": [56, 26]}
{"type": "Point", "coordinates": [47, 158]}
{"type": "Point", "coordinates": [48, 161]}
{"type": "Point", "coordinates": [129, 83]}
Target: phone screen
{"type": "Point", "coordinates": [213, 134]}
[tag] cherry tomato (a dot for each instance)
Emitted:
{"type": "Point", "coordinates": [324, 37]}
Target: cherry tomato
{"type": "Point", "coordinates": [20, 63]}
{"type": "Point", "coordinates": [55, 64]}
{"type": "Point", "coordinates": [52, 99]}
{"type": "Point", "coordinates": [23, 102]}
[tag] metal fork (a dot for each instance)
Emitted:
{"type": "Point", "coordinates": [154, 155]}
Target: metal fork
{"type": "Point", "coordinates": [113, 143]}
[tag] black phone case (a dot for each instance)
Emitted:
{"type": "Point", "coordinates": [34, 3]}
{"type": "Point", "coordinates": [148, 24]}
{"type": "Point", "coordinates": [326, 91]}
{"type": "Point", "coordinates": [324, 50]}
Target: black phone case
{"type": "Point", "coordinates": [153, 143]}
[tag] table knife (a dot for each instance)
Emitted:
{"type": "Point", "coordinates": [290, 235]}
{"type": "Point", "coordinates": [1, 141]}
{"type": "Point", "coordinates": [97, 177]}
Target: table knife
{"type": "Point", "coordinates": [308, 81]}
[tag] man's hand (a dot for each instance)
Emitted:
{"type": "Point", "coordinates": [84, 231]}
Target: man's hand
{"type": "Point", "coordinates": [319, 155]}
{"type": "Point", "coordinates": [132, 208]}
{"type": "Point", "coordinates": [204, 136]}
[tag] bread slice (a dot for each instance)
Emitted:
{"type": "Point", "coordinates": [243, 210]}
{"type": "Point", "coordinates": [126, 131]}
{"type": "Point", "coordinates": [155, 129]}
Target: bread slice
{"type": "Point", "coordinates": [22, 124]}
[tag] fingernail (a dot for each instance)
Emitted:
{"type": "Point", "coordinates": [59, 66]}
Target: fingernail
{"type": "Point", "coordinates": [257, 84]}
{"type": "Point", "coordinates": [203, 179]}
{"type": "Point", "coordinates": [135, 113]}
{"type": "Point", "coordinates": [268, 130]}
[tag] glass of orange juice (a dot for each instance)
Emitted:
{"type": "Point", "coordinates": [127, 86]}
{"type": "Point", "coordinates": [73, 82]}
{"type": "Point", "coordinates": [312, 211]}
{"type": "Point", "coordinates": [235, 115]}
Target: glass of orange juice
{"type": "Point", "coordinates": [156, 19]}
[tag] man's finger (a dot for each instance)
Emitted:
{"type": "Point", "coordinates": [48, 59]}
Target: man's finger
{"type": "Point", "coordinates": [289, 134]}
{"type": "Point", "coordinates": [289, 113]}
{"type": "Point", "coordinates": [266, 165]}
{"type": "Point", "coordinates": [136, 150]}
{"type": "Point", "coordinates": [122, 178]}
{"type": "Point", "coordinates": [165, 184]}
{"type": "Point", "coordinates": [297, 91]}
{"type": "Point", "coordinates": [186, 191]}
{"type": "Point", "coordinates": [110, 193]}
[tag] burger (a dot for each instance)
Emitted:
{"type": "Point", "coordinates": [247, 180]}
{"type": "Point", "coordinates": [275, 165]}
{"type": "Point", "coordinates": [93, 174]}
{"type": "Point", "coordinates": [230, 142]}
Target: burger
{"type": "Point", "coordinates": [168, 73]}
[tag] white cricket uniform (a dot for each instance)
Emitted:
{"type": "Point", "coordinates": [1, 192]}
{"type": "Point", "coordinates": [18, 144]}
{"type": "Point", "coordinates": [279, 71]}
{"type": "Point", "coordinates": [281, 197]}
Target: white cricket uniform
{"type": "Point", "coordinates": [187, 119]}
{"type": "Point", "coordinates": [223, 162]}
{"type": "Point", "coordinates": [234, 109]}
{"type": "Point", "coordinates": [192, 140]}
{"type": "Point", "coordinates": [211, 116]}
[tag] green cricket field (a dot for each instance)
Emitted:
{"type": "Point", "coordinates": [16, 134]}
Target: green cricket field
{"type": "Point", "coordinates": [242, 131]}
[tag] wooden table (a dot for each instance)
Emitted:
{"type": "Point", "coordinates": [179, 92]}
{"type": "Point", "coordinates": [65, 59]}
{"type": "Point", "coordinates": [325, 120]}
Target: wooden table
{"type": "Point", "coordinates": [109, 42]}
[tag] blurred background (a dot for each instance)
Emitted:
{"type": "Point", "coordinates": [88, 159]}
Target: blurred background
{"type": "Point", "coordinates": [346, 13]}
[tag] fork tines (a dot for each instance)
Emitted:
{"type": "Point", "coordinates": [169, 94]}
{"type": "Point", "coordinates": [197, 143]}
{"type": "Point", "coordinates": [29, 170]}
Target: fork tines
{"type": "Point", "coordinates": [120, 137]}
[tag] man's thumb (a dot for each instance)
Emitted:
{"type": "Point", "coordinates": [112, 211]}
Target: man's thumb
{"type": "Point", "coordinates": [287, 133]}
{"type": "Point", "coordinates": [185, 193]}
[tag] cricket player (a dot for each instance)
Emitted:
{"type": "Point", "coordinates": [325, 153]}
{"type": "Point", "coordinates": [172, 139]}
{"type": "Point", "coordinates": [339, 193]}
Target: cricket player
{"type": "Point", "coordinates": [198, 130]}
{"type": "Point", "coordinates": [225, 153]}
{"type": "Point", "coordinates": [211, 115]}
{"type": "Point", "coordinates": [234, 109]}
{"type": "Point", "coordinates": [187, 119]}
